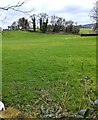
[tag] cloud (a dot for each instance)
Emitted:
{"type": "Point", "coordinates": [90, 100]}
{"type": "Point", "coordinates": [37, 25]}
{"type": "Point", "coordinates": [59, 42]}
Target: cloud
{"type": "Point", "coordinates": [76, 10]}
{"type": "Point", "coordinates": [72, 10]}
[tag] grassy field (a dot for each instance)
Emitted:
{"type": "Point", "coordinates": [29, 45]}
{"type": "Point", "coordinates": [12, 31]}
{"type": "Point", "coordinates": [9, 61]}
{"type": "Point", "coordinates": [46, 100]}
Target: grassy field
{"type": "Point", "coordinates": [35, 64]}
{"type": "Point", "coordinates": [85, 30]}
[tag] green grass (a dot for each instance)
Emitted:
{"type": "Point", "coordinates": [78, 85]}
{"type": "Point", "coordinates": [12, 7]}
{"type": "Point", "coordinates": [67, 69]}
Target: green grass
{"type": "Point", "coordinates": [85, 30]}
{"type": "Point", "coordinates": [35, 63]}
{"type": "Point", "coordinates": [0, 65]}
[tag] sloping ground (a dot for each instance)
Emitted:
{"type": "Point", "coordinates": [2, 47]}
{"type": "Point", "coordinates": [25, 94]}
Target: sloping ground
{"type": "Point", "coordinates": [35, 64]}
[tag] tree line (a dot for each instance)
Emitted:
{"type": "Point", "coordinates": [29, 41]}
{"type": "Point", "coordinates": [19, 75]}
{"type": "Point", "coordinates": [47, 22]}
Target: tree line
{"type": "Point", "coordinates": [57, 23]}
{"type": "Point", "coordinates": [45, 23]}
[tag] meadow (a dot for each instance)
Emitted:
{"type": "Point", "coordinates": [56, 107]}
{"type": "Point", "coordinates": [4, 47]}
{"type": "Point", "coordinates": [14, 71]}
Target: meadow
{"type": "Point", "coordinates": [86, 30]}
{"type": "Point", "coordinates": [35, 64]}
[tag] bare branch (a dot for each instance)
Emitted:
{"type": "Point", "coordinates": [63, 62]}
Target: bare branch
{"type": "Point", "coordinates": [3, 19]}
{"type": "Point", "coordinates": [16, 7]}
{"type": "Point", "coordinates": [13, 6]}
{"type": "Point", "coordinates": [94, 12]}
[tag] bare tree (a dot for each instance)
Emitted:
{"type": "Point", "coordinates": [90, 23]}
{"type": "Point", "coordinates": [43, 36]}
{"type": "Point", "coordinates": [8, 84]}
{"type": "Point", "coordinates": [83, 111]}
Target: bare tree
{"type": "Point", "coordinates": [43, 16]}
{"type": "Point", "coordinates": [54, 20]}
{"type": "Point", "coordinates": [33, 17]}
{"type": "Point", "coordinates": [43, 19]}
{"type": "Point", "coordinates": [23, 23]}
{"type": "Point", "coordinates": [94, 12]}
{"type": "Point", "coordinates": [94, 16]}
{"type": "Point", "coordinates": [14, 25]}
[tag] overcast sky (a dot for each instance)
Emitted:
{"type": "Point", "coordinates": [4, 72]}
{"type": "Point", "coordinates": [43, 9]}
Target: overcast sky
{"type": "Point", "coordinates": [76, 10]}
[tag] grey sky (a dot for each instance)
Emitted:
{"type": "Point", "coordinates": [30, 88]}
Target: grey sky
{"type": "Point", "coordinates": [75, 10]}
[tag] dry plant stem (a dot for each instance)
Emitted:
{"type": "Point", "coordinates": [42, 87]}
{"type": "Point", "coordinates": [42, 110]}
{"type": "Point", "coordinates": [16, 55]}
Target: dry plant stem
{"type": "Point", "coordinates": [86, 90]}
{"type": "Point", "coordinates": [40, 100]}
